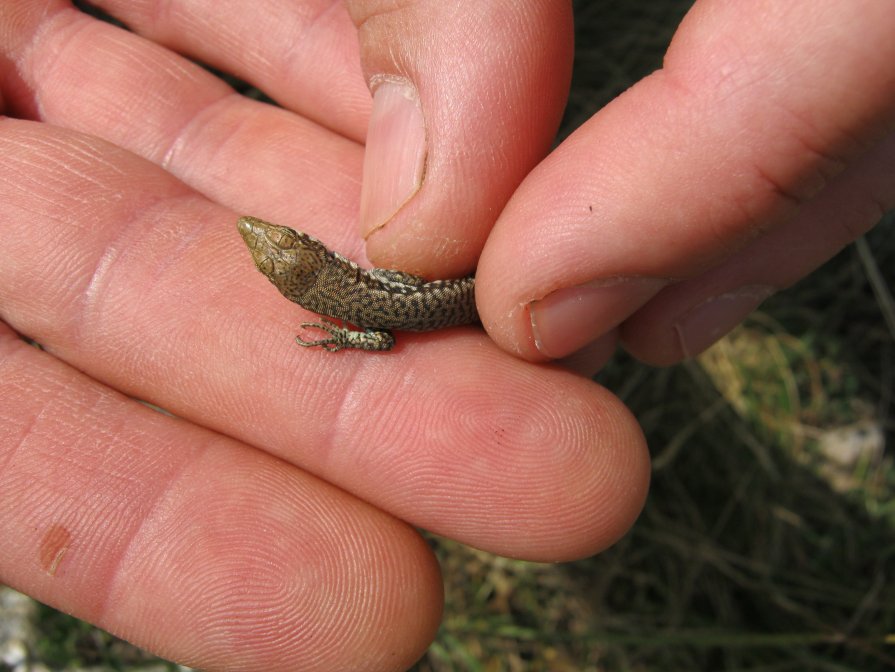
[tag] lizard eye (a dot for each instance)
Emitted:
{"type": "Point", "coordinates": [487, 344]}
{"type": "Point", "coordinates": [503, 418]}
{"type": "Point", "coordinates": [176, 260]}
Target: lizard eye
{"type": "Point", "coordinates": [286, 241]}
{"type": "Point", "coordinates": [266, 266]}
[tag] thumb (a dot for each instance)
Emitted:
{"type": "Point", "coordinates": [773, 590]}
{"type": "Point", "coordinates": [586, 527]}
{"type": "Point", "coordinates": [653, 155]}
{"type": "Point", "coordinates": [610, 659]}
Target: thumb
{"type": "Point", "coordinates": [466, 100]}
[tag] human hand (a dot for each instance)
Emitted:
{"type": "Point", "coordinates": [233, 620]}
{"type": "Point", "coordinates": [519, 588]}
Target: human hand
{"type": "Point", "coordinates": [761, 148]}
{"type": "Point", "coordinates": [263, 527]}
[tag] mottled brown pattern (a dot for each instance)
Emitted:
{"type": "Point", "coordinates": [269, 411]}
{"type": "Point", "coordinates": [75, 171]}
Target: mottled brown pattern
{"type": "Point", "coordinates": [329, 284]}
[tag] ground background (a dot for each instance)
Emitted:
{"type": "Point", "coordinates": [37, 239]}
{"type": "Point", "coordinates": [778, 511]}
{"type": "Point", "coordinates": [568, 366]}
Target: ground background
{"type": "Point", "coordinates": [767, 542]}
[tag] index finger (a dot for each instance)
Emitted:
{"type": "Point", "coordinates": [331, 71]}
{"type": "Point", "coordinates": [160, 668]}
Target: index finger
{"type": "Point", "coordinates": [757, 108]}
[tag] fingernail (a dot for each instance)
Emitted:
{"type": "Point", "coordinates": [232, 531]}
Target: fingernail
{"type": "Point", "coordinates": [592, 357]}
{"type": "Point", "coordinates": [395, 155]}
{"type": "Point", "coordinates": [708, 321]}
{"type": "Point", "coordinates": [570, 318]}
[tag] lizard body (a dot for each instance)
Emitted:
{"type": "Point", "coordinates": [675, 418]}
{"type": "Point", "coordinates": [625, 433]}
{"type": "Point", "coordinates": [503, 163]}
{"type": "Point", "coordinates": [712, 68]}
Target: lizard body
{"type": "Point", "coordinates": [377, 300]}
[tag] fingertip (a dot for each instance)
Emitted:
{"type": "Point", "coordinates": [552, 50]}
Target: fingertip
{"type": "Point", "coordinates": [540, 295]}
{"type": "Point", "coordinates": [486, 112]}
{"type": "Point", "coordinates": [569, 319]}
{"type": "Point", "coordinates": [591, 358]}
{"type": "Point", "coordinates": [614, 488]}
{"type": "Point", "coordinates": [271, 567]}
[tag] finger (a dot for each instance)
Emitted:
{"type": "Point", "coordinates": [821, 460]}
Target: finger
{"type": "Point", "coordinates": [304, 53]}
{"type": "Point", "coordinates": [457, 120]}
{"type": "Point", "coordinates": [238, 152]}
{"type": "Point", "coordinates": [686, 318]}
{"type": "Point", "coordinates": [589, 360]}
{"type": "Point", "coordinates": [154, 295]}
{"type": "Point", "coordinates": [749, 118]}
{"type": "Point", "coordinates": [193, 545]}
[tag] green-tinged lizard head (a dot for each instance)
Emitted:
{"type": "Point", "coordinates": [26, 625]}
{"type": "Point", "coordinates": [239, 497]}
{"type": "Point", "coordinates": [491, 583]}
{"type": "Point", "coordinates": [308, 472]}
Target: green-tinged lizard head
{"type": "Point", "coordinates": [289, 259]}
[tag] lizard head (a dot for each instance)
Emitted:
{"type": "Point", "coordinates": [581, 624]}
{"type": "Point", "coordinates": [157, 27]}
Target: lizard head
{"type": "Point", "coordinates": [289, 259]}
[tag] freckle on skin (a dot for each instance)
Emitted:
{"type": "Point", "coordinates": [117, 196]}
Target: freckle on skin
{"type": "Point", "coordinates": [55, 543]}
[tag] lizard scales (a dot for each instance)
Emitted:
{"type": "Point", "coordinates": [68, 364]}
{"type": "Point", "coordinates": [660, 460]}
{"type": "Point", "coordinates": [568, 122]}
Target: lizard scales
{"type": "Point", "coordinates": [377, 300]}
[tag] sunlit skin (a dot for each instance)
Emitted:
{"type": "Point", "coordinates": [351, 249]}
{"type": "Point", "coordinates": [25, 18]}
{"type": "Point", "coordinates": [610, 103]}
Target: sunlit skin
{"type": "Point", "coordinates": [270, 524]}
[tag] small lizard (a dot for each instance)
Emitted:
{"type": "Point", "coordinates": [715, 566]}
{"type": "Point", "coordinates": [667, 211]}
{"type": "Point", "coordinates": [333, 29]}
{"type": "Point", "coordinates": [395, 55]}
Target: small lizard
{"type": "Point", "coordinates": [377, 300]}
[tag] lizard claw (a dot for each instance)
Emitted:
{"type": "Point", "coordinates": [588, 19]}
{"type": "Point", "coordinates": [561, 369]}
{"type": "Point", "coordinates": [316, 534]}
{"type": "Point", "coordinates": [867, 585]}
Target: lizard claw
{"type": "Point", "coordinates": [337, 339]}
{"type": "Point", "coordinates": [341, 337]}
